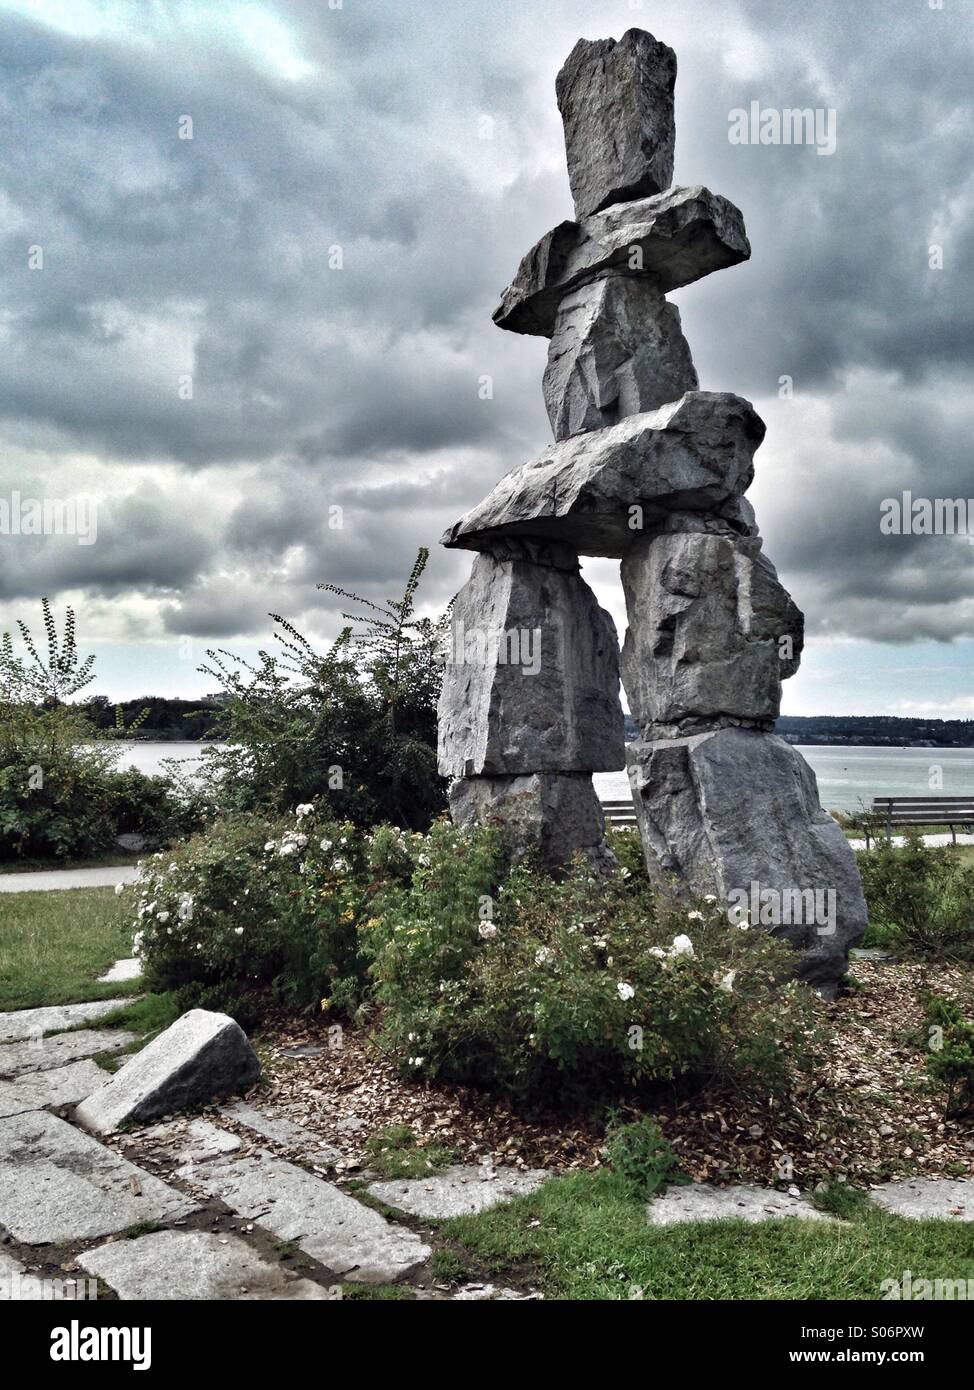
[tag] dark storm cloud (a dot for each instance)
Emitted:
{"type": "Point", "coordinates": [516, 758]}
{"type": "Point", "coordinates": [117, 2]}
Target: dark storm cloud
{"type": "Point", "coordinates": [359, 387]}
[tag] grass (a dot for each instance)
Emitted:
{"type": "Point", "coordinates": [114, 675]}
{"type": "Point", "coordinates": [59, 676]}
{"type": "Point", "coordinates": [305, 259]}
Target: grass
{"type": "Point", "coordinates": [386, 1293]}
{"type": "Point", "coordinates": [53, 947]}
{"type": "Point", "coordinates": [394, 1153]}
{"type": "Point", "coordinates": [583, 1237]}
{"type": "Point", "coordinates": [109, 859]}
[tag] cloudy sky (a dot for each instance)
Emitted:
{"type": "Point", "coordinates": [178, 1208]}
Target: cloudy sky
{"type": "Point", "coordinates": [225, 338]}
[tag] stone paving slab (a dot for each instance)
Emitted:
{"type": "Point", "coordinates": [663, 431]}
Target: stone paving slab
{"type": "Point", "coordinates": [194, 1265]}
{"type": "Point", "coordinates": [282, 1130]}
{"type": "Point", "coordinates": [192, 1141]}
{"type": "Point", "coordinates": [344, 1235]}
{"type": "Point", "coordinates": [457, 1191]}
{"type": "Point", "coordinates": [34, 1023]}
{"type": "Point", "coordinates": [41, 1054]}
{"type": "Point", "coordinates": [59, 1184]}
{"type": "Point", "coordinates": [701, 1202]}
{"type": "Point", "coordinates": [45, 880]}
{"type": "Point", "coordinates": [923, 1199]}
{"type": "Point", "coordinates": [128, 969]}
{"type": "Point", "coordinates": [60, 1086]}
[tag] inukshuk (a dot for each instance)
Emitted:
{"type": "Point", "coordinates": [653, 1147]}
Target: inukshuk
{"type": "Point", "coordinates": [649, 469]}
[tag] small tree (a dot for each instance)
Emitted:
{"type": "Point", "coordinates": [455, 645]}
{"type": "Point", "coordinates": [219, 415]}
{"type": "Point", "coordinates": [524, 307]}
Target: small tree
{"type": "Point", "coordinates": [36, 681]}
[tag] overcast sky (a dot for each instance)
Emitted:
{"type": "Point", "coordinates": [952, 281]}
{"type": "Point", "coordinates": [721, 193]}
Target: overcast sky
{"type": "Point", "coordinates": [420, 144]}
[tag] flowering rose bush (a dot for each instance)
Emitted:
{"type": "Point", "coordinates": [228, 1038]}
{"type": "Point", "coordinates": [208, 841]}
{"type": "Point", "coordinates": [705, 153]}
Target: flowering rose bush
{"type": "Point", "coordinates": [575, 989]}
{"type": "Point", "coordinates": [258, 903]}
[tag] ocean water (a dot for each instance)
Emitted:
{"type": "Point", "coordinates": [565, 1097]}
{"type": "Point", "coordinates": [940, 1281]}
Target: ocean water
{"type": "Point", "coordinates": [847, 777]}
{"type": "Point", "coordinates": [851, 777]}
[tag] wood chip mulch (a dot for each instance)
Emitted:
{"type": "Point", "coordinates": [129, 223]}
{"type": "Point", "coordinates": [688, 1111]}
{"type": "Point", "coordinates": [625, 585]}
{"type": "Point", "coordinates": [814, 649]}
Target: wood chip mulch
{"type": "Point", "coordinates": [868, 1115]}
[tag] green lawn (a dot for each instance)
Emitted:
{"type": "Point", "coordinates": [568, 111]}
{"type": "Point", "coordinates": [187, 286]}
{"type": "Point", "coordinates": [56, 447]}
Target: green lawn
{"type": "Point", "coordinates": [54, 945]}
{"type": "Point", "coordinates": [583, 1237]}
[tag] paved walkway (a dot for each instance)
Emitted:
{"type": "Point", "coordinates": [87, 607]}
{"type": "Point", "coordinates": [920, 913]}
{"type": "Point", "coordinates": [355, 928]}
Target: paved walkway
{"type": "Point", "coordinates": [44, 880]}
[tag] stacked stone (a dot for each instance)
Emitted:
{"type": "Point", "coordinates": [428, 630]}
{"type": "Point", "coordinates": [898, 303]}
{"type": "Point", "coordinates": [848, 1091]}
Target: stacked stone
{"type": "Point", "coordinates": [649, 469]}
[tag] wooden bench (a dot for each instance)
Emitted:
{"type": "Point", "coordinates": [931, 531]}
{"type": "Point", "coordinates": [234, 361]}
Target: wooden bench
{"type": "Point", "coordinates": [892, 812]}
{"type": "Point", "coordinates": [621, 815]}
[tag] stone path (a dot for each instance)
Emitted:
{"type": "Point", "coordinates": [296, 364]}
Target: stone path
{"type": "Point", "coordinates": [69, 1201]}
{"type": "Point", "coordinates": [937, 838]}
{"type": "Point", "coordinates": [45, 880]}
{"type": "Point", "coordinates": [130, 968]}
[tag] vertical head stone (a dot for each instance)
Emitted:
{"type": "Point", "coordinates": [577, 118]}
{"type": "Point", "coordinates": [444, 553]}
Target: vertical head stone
{"type": "Point", "coordinates": [616, 102]}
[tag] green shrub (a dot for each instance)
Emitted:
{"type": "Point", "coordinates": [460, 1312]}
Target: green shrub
{"type": "Point", "coordinates": [920, 898]}
{"type": "Point", "coordinates": [642, 1157]}
{"type": "Point", "coordinates": [950, 1055]}
{"type": "Point", "coordinates": [573, 990]}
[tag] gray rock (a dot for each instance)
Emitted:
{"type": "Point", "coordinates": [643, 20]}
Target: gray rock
{"type": "Point", "coordinates": [42, 1089]}
{"type": "Point", "coordinates": [194, 1265]}
{"type": "Point", "coordinates": [599, 492]}
{"type": "Point", "coordinates": [548, 814]}
{"type": "Point", "coordinates": [673, 238]}
{"type": "Point", "coordinates": [60, 1184]}
{"type": "Point", "coordinates": [458, 1191]}
{"type": "Point", "coordinates": [712, 633]}
{"type": "Point", "coordinates": [58, 1049]}
{"type": "Point", "coordinates": [736, 812]}
{"type": "Point", "coordinates": [616, 102]}
{"type": "Point", "coordinates": [925, 1199]}
{"type": "Point", "coordinates": [10, 1269]}
{"type": "Point", "coordinates": [531, 682]}
{"type": "Point", "coordinates": [191, 1141]}
{"type": "Point", "coordinates": [201, 1056]}
{"type": "Point", "coordinates": [349, 1239]}
{"type": "Point", "coordinates": [34, 1023]}
{"type": "Point", "coordinates": [701, 1202]}
{"type": "Point", "coordinates": [617, 350]}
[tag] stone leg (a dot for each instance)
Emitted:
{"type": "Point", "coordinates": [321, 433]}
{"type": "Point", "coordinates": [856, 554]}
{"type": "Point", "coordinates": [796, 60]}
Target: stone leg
{"type": "Point", "coordinates": [550, 815]}
{"type": "Point", "coordinates": [735, 812]}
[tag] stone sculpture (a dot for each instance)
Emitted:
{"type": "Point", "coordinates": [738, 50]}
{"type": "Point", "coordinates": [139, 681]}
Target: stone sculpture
{"type": "Point", "coordinates": [649, 469]}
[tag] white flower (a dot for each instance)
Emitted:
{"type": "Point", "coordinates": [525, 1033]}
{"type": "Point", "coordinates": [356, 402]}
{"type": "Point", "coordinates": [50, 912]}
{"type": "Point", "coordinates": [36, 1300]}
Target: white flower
{"type": "Point", "coordinates": [487, 930]}
{"type": "Point", "coordinates": [542, 955]}
{"type": "Point", "coordinates": [694, 916]}
{"type": "Point", "coordinates": [627, 873]}
{"type": "Point", "coordinates": [600, 942]}
{"type": "Point", "coordinates": [119, 889]}
{"type": "Point", "coordinates": [416, 1061]}
{"type": "Point", "coordinates": [269, 846]}
{"type": "Point", "coordinates": [303, 810]}
{"type": "Point", "coordinates": [625, 991]}
{"type": "Point", "coordinates": [326, 845]}
{"type": "Point", "coordinates": [340, 866]}
{"type": "Point", "coordinates": [658, 952]}
{"type": "Point", "coordinates": [727, 983]}
{"type": "Point", "coordinates": [710, 898]}
{"type": "Point", "coordinates": [238, 931]}
{"type": "Point", "coordinates": [682, 946]}
{"type": "Point", "coordinates": [162, 916]}
{"type": "Point", "coordinates": [288, 848]}
{"type": "Point", "coordinates": [136, 943]}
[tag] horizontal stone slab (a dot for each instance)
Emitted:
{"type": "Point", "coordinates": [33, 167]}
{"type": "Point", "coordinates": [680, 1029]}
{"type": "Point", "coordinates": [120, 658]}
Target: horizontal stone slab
{"type": "Point", "coordinates": [195, 1265]}
{"type": "Point", "coordinates": [58, 1049]}
{"type": "Point", "coordinates": [599, 492]}
{"type": "Point", "coordinates": [926, 1199]}
{"type": "Point", "coordinates": [673, 238]}
{"type": "Point", "coordinates": [460, 1190]}
{"type": "Point", "coordinates": [349, 1239]}
{"type": "Point", "coordinates": [60, 1184]}
{"type": "Point", "coordinates": [39, 1090]}
{"type": "Point", "coordinates": [616, 103]}
{"type": "Point", "coordinates": [531, 680]}
{"type": "Point", "coordinates": [742, 1202]}
{"type": "Point", "coordinates": [34, 1023]}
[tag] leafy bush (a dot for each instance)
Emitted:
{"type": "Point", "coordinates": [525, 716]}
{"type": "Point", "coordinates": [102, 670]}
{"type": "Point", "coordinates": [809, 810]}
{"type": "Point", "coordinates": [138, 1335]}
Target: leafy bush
{"type": "Point", "coordinates": [950, 1058]}
{"type": "Point", "coordinates": [920, 898]}
{"type": "Point", "coordinates": [642, 1157]}
{"type": "Point", "coordinates": [576, 989]}
{"type": "Point", "coordinates": [255, 902]}
{"type": "Point", "coordinates": [354, 726]}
